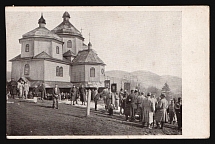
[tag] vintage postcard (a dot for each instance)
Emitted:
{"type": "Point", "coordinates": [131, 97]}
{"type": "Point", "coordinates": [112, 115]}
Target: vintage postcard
{"type": "Point", "coordinates": [107, 72]}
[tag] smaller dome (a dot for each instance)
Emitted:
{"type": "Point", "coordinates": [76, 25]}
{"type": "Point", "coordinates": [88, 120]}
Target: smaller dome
{"type": "Point", "coordinates": [66, 14]}
{"type": "Point", "coordinates": [42, 20]}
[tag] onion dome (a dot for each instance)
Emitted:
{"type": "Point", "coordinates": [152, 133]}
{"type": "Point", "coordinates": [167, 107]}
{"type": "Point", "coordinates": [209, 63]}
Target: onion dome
{"type": "Point", "coordinates": [41, 20]}
{"type": "Point", "coordinates": [66, 15]}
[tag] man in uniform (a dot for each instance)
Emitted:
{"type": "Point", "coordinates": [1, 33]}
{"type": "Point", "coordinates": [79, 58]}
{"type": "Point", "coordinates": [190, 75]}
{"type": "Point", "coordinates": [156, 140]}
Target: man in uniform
{"type": "Point", "coordinates": [56, 93]}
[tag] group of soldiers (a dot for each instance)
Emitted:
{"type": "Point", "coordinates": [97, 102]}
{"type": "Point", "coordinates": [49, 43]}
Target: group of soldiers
{"type": "Point", "coordinates": [151, 111]}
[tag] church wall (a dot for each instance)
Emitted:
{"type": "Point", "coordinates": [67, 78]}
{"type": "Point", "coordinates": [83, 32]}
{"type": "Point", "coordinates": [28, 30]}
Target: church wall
{"type": "Point", "coordinates": [54, 54]}
{"type": "Point", "coordinates": [42, 45]}
{"type": "Point", "coordinates": [79, 44]}
{"type": "Point", "coordinates": [31, 48]}
{"type": "Point", "coordinates": [77, 73]}
{"type": "Point", "coordinates": [36, 69]}
{"type": "Point", "coordinates": [50, 72]}
{"type": "Point", "coordinates": [97, 73]}
{"type": "Point", "coordinates": [65, 48]}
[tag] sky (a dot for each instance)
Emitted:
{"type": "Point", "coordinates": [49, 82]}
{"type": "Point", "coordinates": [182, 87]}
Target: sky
{"type": "Point", "coordinates": [124, 40]}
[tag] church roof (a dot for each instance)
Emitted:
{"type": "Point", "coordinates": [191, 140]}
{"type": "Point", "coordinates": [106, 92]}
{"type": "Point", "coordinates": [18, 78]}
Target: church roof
{"type": "Point", "coordinates": [87, 57]}
{"type": "Point", "coordinates": [68, 53]}
{"type": "Point", "coordinates": [67, 28]}
{"type": "Point", "coordinates": [42, 32]}
{"type": "Point", "coordinates": [42, 55]}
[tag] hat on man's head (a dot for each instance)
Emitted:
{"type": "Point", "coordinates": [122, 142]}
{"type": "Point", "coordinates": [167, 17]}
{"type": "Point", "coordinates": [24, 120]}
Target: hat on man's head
{"type": "Point", "coordinates": [149, 94]}
{"type": "Point", "coordinates": [162, 94]}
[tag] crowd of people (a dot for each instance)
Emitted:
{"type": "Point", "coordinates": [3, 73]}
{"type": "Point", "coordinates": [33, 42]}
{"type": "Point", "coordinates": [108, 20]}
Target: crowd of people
{"type": "Point", "coordinates": [150, 111]}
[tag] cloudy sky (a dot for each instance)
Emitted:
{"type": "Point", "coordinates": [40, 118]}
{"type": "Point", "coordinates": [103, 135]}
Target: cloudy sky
{"type": "Point", "coordinates": [124, 40]}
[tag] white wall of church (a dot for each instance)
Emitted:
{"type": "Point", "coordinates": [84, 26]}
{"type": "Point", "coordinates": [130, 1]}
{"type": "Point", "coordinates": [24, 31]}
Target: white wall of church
{"type": "Point", "coordinates": [42, 45]}
{"type": "Point", "coordinates": [36, 69]}
{"type": "Point", "coordinates": [77, 73]}
{"type": "Point", "coordinates": [54, 53]}
{"type": "Point", "coordinates": [98, 76]}
{"type": "Point", "coordinates": [79, 44]}
{"type": "Point", "coordinates": [50, 72]}
{"type": "Point", "coordinates": [31, 48]}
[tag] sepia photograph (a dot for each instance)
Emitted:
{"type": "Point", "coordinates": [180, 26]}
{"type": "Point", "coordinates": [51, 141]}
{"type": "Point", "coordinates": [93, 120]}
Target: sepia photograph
{"type": "Point", "coordinates": [87, 72]}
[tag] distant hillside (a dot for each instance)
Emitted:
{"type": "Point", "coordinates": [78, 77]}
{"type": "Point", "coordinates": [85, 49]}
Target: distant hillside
{"type": "Point", "coordinates": [147, 78]}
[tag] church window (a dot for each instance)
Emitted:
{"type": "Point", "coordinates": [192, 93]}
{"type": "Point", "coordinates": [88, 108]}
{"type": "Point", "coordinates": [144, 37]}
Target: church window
{"type": "Point", "coordinates": [57, 71]}
{"type": "Point", "coordinates": [69, 44]}
{"type": "Point", "coordinates": [27, 48]}
{"type": "Point", "coordinates": [92, 72]}
{"type": "Point", "coordinates": [57, 50]}
{"type": "Point", "coordinates": [61, 72]}
{"type": "Point", "coordinates": [26, 69]}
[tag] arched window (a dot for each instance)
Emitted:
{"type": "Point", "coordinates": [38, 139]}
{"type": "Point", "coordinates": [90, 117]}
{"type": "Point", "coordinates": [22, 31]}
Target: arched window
{"type": "Point", "coordinates": [61, 71]}
{"type": "Point", "coordinates": [27, 48]}
{"type": "Point", "coordinates": [57, 71]}
{"type": "Point", "coordinates": [92, 72]}
{"type": "Point", "coordinates": [69, 44]}
{"type": "Point", "coordinates": [57, 50]}
{"type": "Point", "coordinates": [27, 69]}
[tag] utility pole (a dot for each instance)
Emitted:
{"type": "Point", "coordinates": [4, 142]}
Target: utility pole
{"type": "Point", "coordinates": [88, 102]}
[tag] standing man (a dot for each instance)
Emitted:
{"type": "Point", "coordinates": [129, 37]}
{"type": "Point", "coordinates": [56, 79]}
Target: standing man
{"type": "Point", "coordinates": [140, 99]}
{"type": "Point", "coordinates": [56, 93]}
{"type": "Point", "coordinates": [42, 91]}
{"type": "Point", "coordinates": [128, 105]}
{"type": "Point", "coordinates": [77, 95]}
{"type": "Point", "coordinates": [116, 100]}
{"type": "Point", "coordinates": [154, 103]}
{"type": "Point", "coordinates": [82, 94]}
{"type": "Point", "coordinates": [161, 115]}
{"type": "Point", "coordinates": [20, 88]}
{"type": "Point", "coordinates": [26, 90]}
{"type": "Point", "coordinates": [96, 98]}
{"type": "Point", "coordinates": [73, 94]}
{"type": "Point", "coordinates": [105, 94]}
{"type": "Point", "coordinates": [13, 87]}
{"type": "Point", "coordinates": [121, 95]}
{"type": "Point", "coordinates": [147, 111]}
{"type": "Point", "coordinates": [178, 110]}
{"type": "Point", "coordinates": [133, 96]}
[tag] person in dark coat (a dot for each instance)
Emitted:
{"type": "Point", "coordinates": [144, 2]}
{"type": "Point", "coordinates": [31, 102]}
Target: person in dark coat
{"type": "Point", "coordinates": [77, 95]}
{"type": "Point", "coordinates": [35, 91]}
{"type": "Point", "coordinates": [96, 98]}
{"type": "Point", "coordinates": [56, 94]}
{"type": "Point", "coordinates": [82, 94]}
{"type": "Point", "coordinates": [13, 87]}
{"type": "Point", "coordinates": [178, 110]}
{"type": "Point", "coordinates": [42, 90]}
{"type": "Point", "coordinates": [73, 94]}
{"type": "Point", "coordinates": [128, 105]}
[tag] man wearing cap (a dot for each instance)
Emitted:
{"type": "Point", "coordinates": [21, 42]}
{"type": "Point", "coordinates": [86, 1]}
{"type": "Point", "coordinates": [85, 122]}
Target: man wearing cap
{"type": "Point", "coordinates": [161, 115]}
{"type": "Point", "coordinates": [147, 111]}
